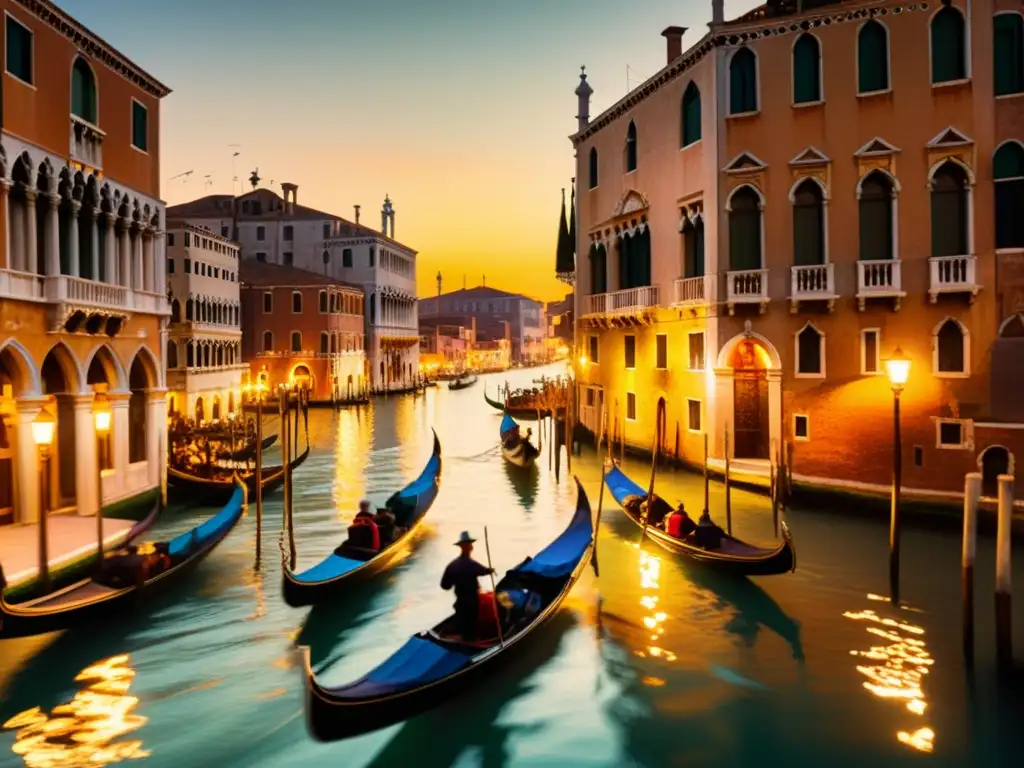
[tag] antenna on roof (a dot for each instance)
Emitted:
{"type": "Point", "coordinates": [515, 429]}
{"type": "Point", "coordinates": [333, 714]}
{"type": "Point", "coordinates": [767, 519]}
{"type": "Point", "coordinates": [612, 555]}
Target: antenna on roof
{"type": "Point", "coordinates": [234, 175]}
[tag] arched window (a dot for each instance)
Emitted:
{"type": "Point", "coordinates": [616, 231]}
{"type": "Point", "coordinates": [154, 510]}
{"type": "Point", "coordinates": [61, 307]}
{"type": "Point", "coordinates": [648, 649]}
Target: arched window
{"type": "Point", "coordinates": [327, 257]}
{"type": "Point", "coordinates": [323, 302]}
{"type": "Point", "coordinates": [745, 230]}
{"type": "Point", "coordinates": [690, 117]}
{"type": "Point", "coordinates": [876, 217]}
{"type": "Point", "coordinates": [806, 69]}
{"type": "Point", "coordinates": [268, 341]}
{"type": "Point", "coordinates": [139, 383]}
{"type": "Point", "coordinates": [598, 269]}
{"type": "Point", "coordinates": [83, 91]}
{"type": "Point", "coordinates": [593, 167]}
{"type": "Point", "coordinates": [296, 341]}
{"type": "Point", "coordinates": [175, 311]}
{"type": "Point", "coordinates": [172, 354]}
{"type": "Point", "coordinates": [949, 46]}
{"type": "Point", "coordinates": [189, 309]}
{"type": "Point", "coordinates": [950, 211]}
{"type": "Point", "coordinates": [373, 309]}
{"type": "Point", "coordinates": [346, 257]}
{"type": "Point", "coordinates": [297, 302]}
{"type": "Point", "coordinates": [808, 224]}
{"type": "Point", "coordinates": [872, 58]}
{"type": "Point", "coordinates": [190, 355]}
{"type": "Point", "coordinates": [1008, 172]}
{"type": "Point", "coordinates": [693, 247]}
{"type": "Point", "coordinates": [743, 82]}
{"type": "Point", "coordinates": [631, 148]}
{"type": "Point", "coordinates": [950, 348]}
{"type": "Point", "coordinates": [324, 342]}
{"type": "Point", "coordinates": [334, 343]}
{"type": "Point", "coordinates": [810, 352]}
{"type": "Point", "coordinates": [1008, 50]}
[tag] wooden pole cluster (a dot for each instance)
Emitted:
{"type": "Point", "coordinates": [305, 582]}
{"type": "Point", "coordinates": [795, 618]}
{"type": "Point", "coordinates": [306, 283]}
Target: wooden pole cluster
{"type": "Point", "coordinates": [728, 488]}
{"type": "Point", "coordinates": [972, 493]}
{"type": "Point", "coordinates": [259, 475]}
{"type": "Point", "coordinates": [707, 481]}
{"type": "Point", "coordinates": [1004, 626]}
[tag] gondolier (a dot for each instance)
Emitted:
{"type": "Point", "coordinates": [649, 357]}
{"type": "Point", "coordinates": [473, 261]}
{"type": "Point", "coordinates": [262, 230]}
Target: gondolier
{"type": "Point", "coordinates": [462, 574]}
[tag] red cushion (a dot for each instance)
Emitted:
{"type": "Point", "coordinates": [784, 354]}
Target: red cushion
{"type": "Point", "coordinates": [487, 623]}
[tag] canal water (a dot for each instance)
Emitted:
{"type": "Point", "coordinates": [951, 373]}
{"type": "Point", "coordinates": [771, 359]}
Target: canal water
{"type": "Point", "coordinates": [655, 663]}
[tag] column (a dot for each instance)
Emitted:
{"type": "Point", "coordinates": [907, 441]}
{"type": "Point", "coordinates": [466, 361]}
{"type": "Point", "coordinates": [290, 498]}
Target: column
{"type": "Point", "coordinates": [5, 191]}
{"type": "Point", "coordinates": [97, 257]}
{"type": "Point", "coordinates": [124, 247]}
{"type": "Point", "coordinates": [73, 268]}
{"type": "Point", "coordinates": [52, 246]}
{"type": "Point", "coordinates": [159, 255]}
{"type": "Point", "coordinates": [156, 432]}
{"type": "Point", "coordinates": [148, 265]}
{"type": "Point", "coordinates": [110, 252]}
{"type": "Point", "coordinates": [26, 461]}
{"type": "Point", "coordinates": [31, 246]}
{"type": "Point", "coordinates": [16, 237]}
{"type": "Point", "coordinates": [115, 485]}
{"type": "Point", "coordinates": [86, 454]}
{"type": "Point", "coordinates": [136, 245]}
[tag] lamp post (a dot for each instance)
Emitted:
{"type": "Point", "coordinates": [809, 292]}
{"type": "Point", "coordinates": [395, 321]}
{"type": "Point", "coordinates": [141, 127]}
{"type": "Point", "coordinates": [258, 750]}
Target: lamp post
{"type": "Point", "coordinates": [898, 369]}
{"type": "Point", "coordinates": [101, 417]}
{"type": "Point", "coordinates": [43, 429]}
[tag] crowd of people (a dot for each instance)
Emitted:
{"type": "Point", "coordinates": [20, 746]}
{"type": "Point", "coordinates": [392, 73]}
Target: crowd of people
{"type": "Point", "coordinates": [658, 513]}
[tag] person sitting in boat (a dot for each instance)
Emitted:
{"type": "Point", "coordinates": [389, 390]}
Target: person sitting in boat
{"type": "Point", "coordinates": [385, 520]}
{"type": "Point", "coordinates": [679, 523]}
{"type": "Point", "coordinates": [461, 575]}
{"type": "Point", "coordinates": [656, 510]}
{"type": "Point", "coordinates": [708, 535]}
{"type": "Point", "coordinates": [363, 532]}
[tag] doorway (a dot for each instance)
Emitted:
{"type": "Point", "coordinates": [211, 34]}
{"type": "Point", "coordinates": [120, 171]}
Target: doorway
{"type": "Point", "coordinates": [994, 461]}
{"type": "Point", "coordinates": [750, 402]}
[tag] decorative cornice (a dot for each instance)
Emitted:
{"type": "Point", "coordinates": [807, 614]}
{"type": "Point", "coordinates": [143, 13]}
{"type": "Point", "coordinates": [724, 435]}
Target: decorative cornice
{"type": "Point", "coordinates": [726, 36]}
{"type": "Point", "coordinates": [92, 45]}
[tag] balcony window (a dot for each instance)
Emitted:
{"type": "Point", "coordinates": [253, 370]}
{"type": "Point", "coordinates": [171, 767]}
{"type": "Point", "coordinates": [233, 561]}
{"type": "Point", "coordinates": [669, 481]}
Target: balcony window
{"type": "Point", "coordinates": [744, 229]}
{"type": "Point", "coordinates": [876, 217]}
{"type": "Point", "coordinates": [83, 91]}
{"type": "Point", "coordinates": [268, 341]}
{"type": "Point", "coordinates": [1008, 53]}
{"type": "Point", "coordinates": [808, 224]}
{"type": "Point", "coordinates": [949, 46]}
{"type": "Point", "coordinates": [1008, 172]}
{"type": "Point", "coordinates": [806, 69]}
{"type": "Point", "coordinates": [810, 349]}
{"type": "Point", "coordinates": [296, 341]}
{"type": "Point", "coordinates": [140, 126]}
{"type": "Point", "coordinates": [631, 148]}
{"type": "Point", "coordinates": [693, 247]}
{"type": "Point", "coordinates": [19, 51]}
{"type": "Point", "coordinates": [950, 205]}
{"type": "Point", "coordinates": [872, 58]}
{"type": "Point", "coordinates": [630, 352]}
{"type": "Point", "coordinates": [598, 269]}
{"type": "Point", "coordinates": [743, 82]}
{"type": "Point", "coordinates": [690, 118]}
{"type": "Point", "coordinates": [635, 259]}
{"type": "Point", "coordinates": [593, 167]}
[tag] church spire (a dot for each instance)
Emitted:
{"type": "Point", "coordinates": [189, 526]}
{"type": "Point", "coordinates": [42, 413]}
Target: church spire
{"type": "Point", "coordinates": [564, 262]}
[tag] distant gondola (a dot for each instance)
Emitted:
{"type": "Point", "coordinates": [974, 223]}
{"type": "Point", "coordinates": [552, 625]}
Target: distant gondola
{"type": "Point", "coordinates": [516, 448]}
{"type": "Point", "coordinates": [88, 600]}
{"type": "Point", "coordinates": [514, 410]}
{"type": "Point", "coordinates": [249, 451]}
{"type": "Point", "coordinates": [435, 665]}
{"type": "Point", "coordinates": [463, 382]}
{"type": "Point", "coordinates": [734, 556]}
{"type": "Point", "coordinates": [204, 490]}
{"type": "Point", "coordinates": [349, 563]}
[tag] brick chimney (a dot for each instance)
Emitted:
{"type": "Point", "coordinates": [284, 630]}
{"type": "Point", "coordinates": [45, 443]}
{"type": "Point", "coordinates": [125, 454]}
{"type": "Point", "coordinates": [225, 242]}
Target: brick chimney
{"type": "Point", "coordinates": [674, 38]}
{"type": "Point", "coordinates": [357, 213]}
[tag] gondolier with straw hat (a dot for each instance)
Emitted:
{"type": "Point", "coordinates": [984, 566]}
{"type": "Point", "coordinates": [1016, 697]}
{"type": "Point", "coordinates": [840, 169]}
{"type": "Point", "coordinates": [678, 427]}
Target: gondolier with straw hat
{"type": "Point", "coordinates": [461, 575]}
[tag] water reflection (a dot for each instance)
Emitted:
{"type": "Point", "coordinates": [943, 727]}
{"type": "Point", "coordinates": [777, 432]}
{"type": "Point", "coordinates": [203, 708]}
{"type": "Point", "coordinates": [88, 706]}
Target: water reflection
{"type": "Point", "coordinates": [85, 731]}
{"type": "Point", "coordinates": [525, 481]}
{"type": "Point", "coordinates": [897, 670]}
{"type": "Point", "coordinates": [653, 620]}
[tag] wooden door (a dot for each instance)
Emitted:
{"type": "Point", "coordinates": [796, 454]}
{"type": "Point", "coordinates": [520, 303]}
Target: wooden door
{"type": "Point", "coordinates": [749, 415]}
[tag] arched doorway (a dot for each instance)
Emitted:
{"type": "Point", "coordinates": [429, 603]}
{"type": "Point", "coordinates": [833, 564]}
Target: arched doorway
{"type": "Point", "coordinates": [60, 375]}
{"type": "Point", "coordinates": [993, 462]}
{"type": "Point", "coordinates": [750, 401]}
{"type": "Point", "coordinates": [200, 410]}
{"type": "Point", "coordinates": [302, 377]}
{"type": "Point", "coordinates": [215, 411]}
{"type": "Point", "coordinates": [141, 378]}
{"type": "Point", "coordinates": [104, 375]}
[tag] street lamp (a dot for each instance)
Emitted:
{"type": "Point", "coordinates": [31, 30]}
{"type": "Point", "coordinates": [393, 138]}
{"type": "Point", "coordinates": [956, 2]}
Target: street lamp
{"type": "Point", "coordinates": [43, 429]}
{"type": "Point", "coordinates": [898, 369]}
{"type": "Point", "coordinates": [102, 417]}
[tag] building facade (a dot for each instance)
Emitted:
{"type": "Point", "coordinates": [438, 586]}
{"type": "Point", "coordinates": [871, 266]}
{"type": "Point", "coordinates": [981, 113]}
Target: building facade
{"type": "Point", "coordinates": [754, 246]}
{"type": "Point", "coordinates": [305, 329]}
{"type": "Point", "coordinates": [83, 294]}
{"type": "Point", "coordinates": [490, 307]}
{"type": "Point", "coordinates": [275, 229]}
{"type": "Point", "coordinates": [443, 348]}
{"type": "Point", "coordinates": [204, 347]}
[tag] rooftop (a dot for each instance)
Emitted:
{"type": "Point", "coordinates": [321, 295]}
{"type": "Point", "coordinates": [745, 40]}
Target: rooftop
{"type": "Point", "coordinates": [260, 274]}
{"type": "Point", "coordinates": [479, 292]}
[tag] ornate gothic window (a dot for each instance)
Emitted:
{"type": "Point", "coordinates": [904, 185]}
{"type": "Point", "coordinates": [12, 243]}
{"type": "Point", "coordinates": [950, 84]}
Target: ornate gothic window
{"type": "Point", "coordinates": [950, 189]}
{"type": "Point", "coordinates": [691, 115]}
{"type": "Point", "coordinates": [745, 230]}
{"type": "Point", "coordinates": [808, 224]}
{"type": "Point", "coordinates": [876, 217]}
{"type": "Point", "coordinates": [950, 348]}
{"type": "Point", "coordinates": [83, 91]}
{"type": "Point", "coordinates": [631, 148]}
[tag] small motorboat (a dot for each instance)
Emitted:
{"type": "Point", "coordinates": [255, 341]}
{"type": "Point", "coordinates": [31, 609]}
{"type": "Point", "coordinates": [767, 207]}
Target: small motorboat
{"type": "Point", "coordinates": [515, 447]}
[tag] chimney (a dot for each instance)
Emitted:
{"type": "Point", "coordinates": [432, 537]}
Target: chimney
{"type": "Point", "coordinates": [583, 93]}
{"type": "Point", "coordinates": [357, 213]}
{"type": "Point", "coordinates": [289, 191]}
{"type": "Point", "coordinates": [674, 38]}
{"type": "Point", "coordinates": [717, 12]}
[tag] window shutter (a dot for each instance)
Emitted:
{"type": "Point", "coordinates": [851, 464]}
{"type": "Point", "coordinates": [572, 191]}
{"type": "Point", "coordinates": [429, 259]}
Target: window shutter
{"type": "Point", "coordinates": [806, 70]}
{"type": "Point", "coordinates": [948, 46]}
{"type": "Point", "coordinates": [872, 58]}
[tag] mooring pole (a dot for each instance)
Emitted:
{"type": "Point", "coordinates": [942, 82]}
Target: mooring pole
{"type": "Point", "coordinates": [259, 474]}
{"type": "Point", "coordinates": [728, 490]}
{"type": "Point", "coordinates": [972, 492]}
{"type": "Point", "coordinates": [707, 482]}
{"type": "Point", "coordinates": [1004, 629]}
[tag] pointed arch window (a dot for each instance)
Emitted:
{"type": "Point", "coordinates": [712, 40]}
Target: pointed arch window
{"type": "Point", "coordinates": [268, 341]}
{"type": "Point", "coordinates": [876, 217]}
{"type": "Point", "coordinates": [323, 302]}
{"type": "Point", "coordinates": [1008, 172]}
{"type": "Point", "coordinates": [872, 58]}
{"type": "Point", "coordinates": [598, 269]}
{"type": "Point", "coordinates": [810, 353]}
{"type": "Point", "coordinates": [950, 190]}
{"type": "Point", "coordinates": [806, 69]}
{"type": "Point", "coordinates": [172, 354]}
{"type": "Point", "coordinates": [296, 341]}
{"type": "Point", "coordinates": [950, 349]}
{"type": "Point", "coordinates": [592, 163]}
{"type": "Point", "coordinates": [297, 302]}
{"type": "Point", "coordinates": [743, 82]}
{"type": "Point", "coordinates": [808, 224]}
{"type": "Point", "coordinates": [691, 115]}
{"type": "Point", "coordinates": [83, 91]}
{"type": "Point", "coordinates": [745, 230]}
{"type": "Point", "coordinates": [631, 148]}
{"type": "Point", "coordinates": [324, 342]}
{"type": "Point", "coordinates": [693, 247]}
{"type": "Point", "coordinates": [949, 46]}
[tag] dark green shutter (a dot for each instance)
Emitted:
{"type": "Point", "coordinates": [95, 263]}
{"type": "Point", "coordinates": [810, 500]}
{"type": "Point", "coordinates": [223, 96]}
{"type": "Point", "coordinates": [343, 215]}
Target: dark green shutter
{"type": "Point", "coordinates": [743, 82]}
{"type": "Point", "coordinates": [808, 226]}
{"type": "Point", "coordinates": [19, 51]}
{"type": "Point", "coordinates": [875, 207]}
{"type": "Point", "coordinates": [1008, 172]}
{"type": "Point", "coordinates": [1008, 53]}
{"type": "Point", "coordinates": [83, 91]}
{"type": "Point", "coordinates": [949, 213]}
{"type": "Point", "coordinates": [689, 250]}
{"type": "Point", "coordinates": [593, 167]}
{"type": "Point", "coordinates": [140, 126]}
{"type": "Point", "coordinates": [691, 115]}
{"type": "Point", "coordinates": [872, 58]}
{"type": "Point", "coordinates": [948, 46]}
{"type": "Point", "coordinates": [745, 231]}
{"type": "Point", "coordinates": [698, 249]}
{"type": "Point", "coordinates": [806, 70]}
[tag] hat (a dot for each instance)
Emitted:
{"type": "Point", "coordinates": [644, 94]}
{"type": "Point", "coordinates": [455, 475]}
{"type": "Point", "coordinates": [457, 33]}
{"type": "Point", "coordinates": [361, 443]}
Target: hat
{"type": "Point", "coordinates": [464, 538]}
{"type": "Point", "coordinates": [365, 503]}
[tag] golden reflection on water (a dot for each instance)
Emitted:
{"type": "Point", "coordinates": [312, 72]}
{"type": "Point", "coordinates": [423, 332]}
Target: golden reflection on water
{"type": "Point", "coordinates": [355, 425]}
{"type": "Point", "coordinates": [899, 665]}
{"type": "Point", "coordinates": [84, 731]}
{"type": "Point", "coordinates": [654, 620]}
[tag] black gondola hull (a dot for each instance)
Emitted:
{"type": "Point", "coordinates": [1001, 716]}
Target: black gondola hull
{"type": "Point", "coordinates": [518, 413]}
{"type": "Point", "coordinates": [198, 490]}
{"type": "Point", "coordinates": [244, 454]}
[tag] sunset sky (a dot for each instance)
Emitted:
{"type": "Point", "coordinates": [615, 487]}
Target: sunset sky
{"type": "Point", "coordinates": [459, 110]}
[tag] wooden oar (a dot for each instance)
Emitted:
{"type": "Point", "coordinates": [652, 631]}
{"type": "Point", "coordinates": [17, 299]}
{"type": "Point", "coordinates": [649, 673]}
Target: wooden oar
{"type": "Point", "coordinates": [658, 424]}
{"type": "Point", "coordinates": [494, 589]}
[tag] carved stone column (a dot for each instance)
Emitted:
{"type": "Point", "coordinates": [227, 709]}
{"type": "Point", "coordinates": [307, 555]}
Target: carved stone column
{"type": "Point", "coordinates": [5, 190]}
{"type": "Point", "coordinates": [136, 244]}
{"type": "Point", "coordinates": [124, 248]}
{"type": "Point", "coordinates": [31, 244]}
{"type": "Point", "coordinates": [148, 277]}
{"type": "Point", "coordinates": [110, 251]}
{"type": "Point", "coordinates": [98, 268]}
{"type": "Point", "coordinates": [52, 246]}
{"type": "Point", "coordinates": [73, 266]}
{"type": "Point", "coordinates": [159, 253]}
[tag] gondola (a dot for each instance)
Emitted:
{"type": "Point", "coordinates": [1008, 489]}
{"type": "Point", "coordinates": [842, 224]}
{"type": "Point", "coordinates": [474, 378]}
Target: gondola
{"type": "Point", "coordinates": [434, 665]}
{"type": "Point", "coordinates": [249, 451]}
{"type": "Point", "coordinates": [349, 563]}
{"type": "Point", "coordinates": [516, 448]}
{"type": "Point", "coordinates": [88, 600]}
{"type": "Point", "coordinates": [203, 490]}
{"type": "Point", "coordinates": [463, 382]}
{"type": "Point", "coordinates": [515, 411]}
{"type": "Point", "coordinates": [735, 556]}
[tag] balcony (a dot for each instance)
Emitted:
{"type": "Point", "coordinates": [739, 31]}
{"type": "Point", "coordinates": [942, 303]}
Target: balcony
{"type": "Point", "coordinates": [695, 291]}
{"type": "Point", "coordinates": [86, 144]}
{"type": "Point", "coordinates": [812, 283]}
{"type": "Point", "coordinates": [952, 274]}
{"type": "Point", "coordinates": [627, 302]}
{"type": "Point", "coordinates": [87, 293]}
{"type": "Point", "coordinates": [747, 286]}
{"type": "Point", "coordinates": [20, 285]}
{"type": "Point", "coordinates": [880, 279]}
